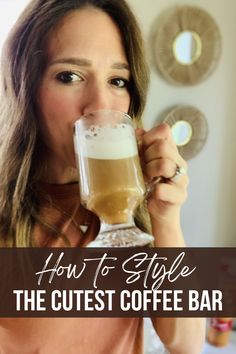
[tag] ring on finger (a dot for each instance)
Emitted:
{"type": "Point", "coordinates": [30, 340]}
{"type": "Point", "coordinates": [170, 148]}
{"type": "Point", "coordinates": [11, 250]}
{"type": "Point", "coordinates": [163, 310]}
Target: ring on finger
{"type": "Point", "coordinates": [179, 171]}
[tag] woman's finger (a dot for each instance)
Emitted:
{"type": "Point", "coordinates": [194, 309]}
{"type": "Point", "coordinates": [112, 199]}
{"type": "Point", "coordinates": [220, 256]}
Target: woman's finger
{"type": "Point", "coordinates": [160, 132]}
{"type": "Point", "coordinates": [162, 149]}
{"type": "Point", "coordinates": [160, 168]}
{"type": "Point", "coordinates": [171, 193]}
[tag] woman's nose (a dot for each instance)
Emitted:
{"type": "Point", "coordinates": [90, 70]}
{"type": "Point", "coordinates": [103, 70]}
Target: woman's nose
{"type": "Point", "coordinates": [97, 98]}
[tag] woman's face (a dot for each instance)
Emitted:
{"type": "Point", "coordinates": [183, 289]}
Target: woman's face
{"type": "Point", "coordinates": [87, 70]}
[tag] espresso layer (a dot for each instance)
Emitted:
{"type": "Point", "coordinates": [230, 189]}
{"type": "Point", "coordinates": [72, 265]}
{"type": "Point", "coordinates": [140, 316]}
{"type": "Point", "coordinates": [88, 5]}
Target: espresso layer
{"type": "Point", "coordinates": [111, 188]}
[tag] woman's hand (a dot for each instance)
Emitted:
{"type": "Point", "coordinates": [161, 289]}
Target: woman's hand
{"type": "Point", "coordinates": [160, 158]}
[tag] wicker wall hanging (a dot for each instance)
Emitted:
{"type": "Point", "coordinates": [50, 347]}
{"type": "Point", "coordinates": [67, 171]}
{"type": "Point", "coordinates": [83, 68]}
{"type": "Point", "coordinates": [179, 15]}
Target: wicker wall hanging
{"type": "Point", "coordinates": [187, 44]}
{"type": "Point", "coordinates": [189, 129]}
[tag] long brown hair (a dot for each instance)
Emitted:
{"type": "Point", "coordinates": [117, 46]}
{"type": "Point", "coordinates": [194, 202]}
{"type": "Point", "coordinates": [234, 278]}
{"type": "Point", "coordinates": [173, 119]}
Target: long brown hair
{"type": "Point", "coordinates": [23, 62]}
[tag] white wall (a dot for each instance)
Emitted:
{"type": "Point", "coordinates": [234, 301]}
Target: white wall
{"type": "Point", "coordinates": [9, 11]}
{"type": "Point", "coordinates": [209, 216]}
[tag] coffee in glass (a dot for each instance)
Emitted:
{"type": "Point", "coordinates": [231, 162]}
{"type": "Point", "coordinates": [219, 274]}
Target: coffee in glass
{"type": "Point", "coordinates": [110, 177]}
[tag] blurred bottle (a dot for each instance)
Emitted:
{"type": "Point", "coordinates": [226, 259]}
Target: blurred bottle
{"type": "Point", "coordinates": [219, 331]}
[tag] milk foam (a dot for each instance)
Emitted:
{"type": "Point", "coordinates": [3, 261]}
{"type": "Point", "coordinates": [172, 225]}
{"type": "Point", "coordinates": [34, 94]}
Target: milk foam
{"type": "Point", "coordinates": [108, 142]}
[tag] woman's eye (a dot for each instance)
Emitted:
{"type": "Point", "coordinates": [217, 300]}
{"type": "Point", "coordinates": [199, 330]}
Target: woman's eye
{"type": "Point", "coordinates": [120, 83]}
{"type": "Point", "coordinates": [67, 77]}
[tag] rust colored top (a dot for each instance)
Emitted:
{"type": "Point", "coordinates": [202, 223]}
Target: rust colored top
{"type": "Point", "coordinates": [71, 336]}
{"type": "Point", "coordinates": [60, 210]}
{"type": "Point", "coordinates": [62, 218]}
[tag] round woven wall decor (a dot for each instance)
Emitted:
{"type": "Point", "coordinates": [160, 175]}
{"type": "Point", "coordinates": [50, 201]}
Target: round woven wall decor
{"type": "Point", "coordinates": [198, 131]}
{"type": "Point", "coordinates": [205, 32]}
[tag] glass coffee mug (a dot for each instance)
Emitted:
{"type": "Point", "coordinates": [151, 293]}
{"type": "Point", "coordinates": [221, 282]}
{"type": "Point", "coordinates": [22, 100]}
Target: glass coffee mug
{"type": "Point", "coordinates": [110, 177]}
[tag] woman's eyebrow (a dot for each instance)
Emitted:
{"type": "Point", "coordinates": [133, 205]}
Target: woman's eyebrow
{"type": "Point", "coordinates": [120, 66]}
{"type": "Point", "coordinates": [73, 61]}
{"type": "Point", "coordinates": [87, 62]}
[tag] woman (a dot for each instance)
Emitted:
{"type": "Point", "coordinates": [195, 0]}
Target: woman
{"type": "Point", "coordinates": [65, 58]}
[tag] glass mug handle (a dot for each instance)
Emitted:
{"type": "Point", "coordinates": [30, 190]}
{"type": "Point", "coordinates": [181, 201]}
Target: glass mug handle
{"type": "Point", "coordinates": [180, 171]}
{"type": "Point", "coordinates": [151, 185]}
